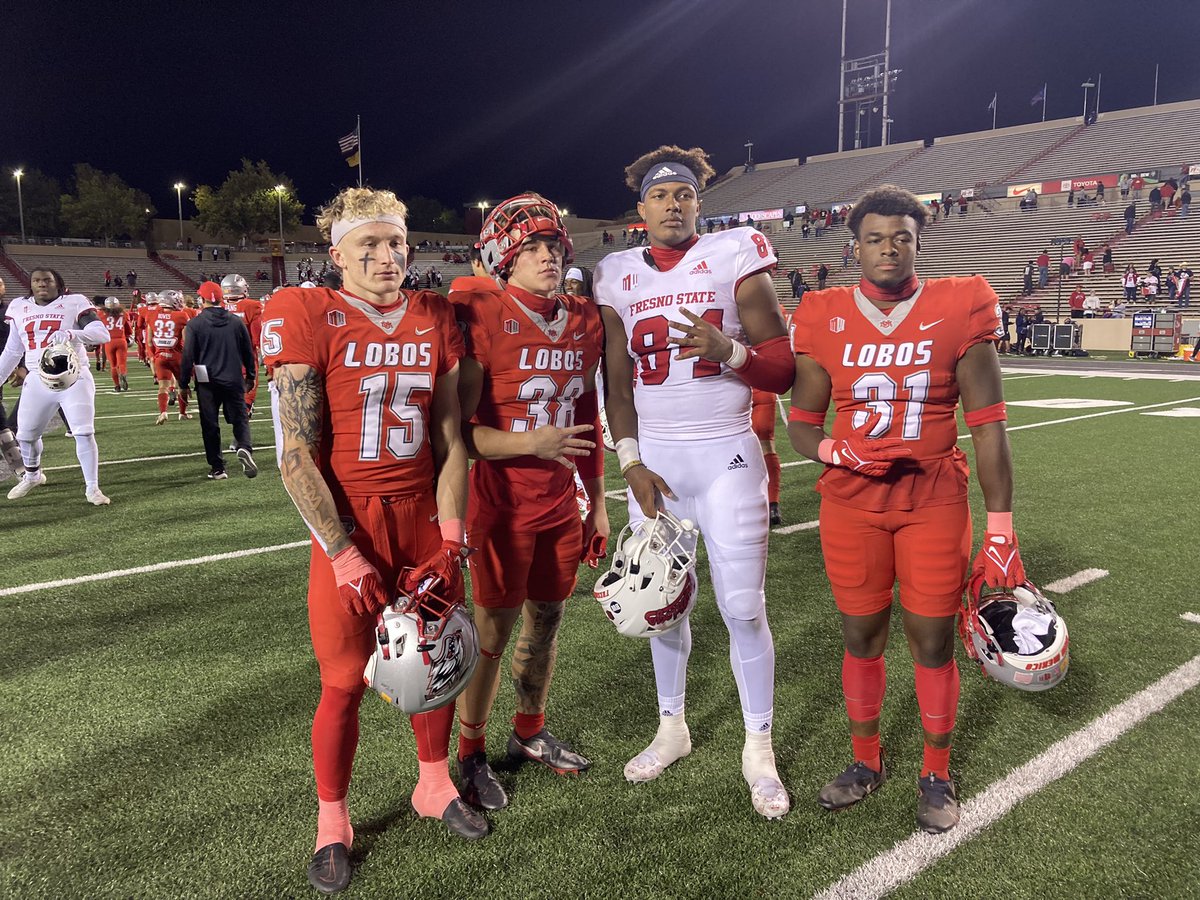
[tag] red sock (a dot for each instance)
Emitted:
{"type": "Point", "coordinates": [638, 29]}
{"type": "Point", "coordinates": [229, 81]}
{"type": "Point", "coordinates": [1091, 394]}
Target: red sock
{"type": "Point", "coordinates": [527, 725]}
{"type": "Point", "coordinates": [470, 745]}
{"type": "Point", "coordinates": [182, 403]}
{"type": "Point", "coordinates": [772, 461]}
{"type": "Point", "coordinates": [334, 740]}
{"type": "Point", "coordinates": [432, 731]}
{"type": "Point", "coordinates": [937, 696]}
{"type": "Point", "coordinates": [116, 376]}
{"type": "Point", "coordinates": [162, 403]}
{"type": "Point", "coordinates": [863, 683]}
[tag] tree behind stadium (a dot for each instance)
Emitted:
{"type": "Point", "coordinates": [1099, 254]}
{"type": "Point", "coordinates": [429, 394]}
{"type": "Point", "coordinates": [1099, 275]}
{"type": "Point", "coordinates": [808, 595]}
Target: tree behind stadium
{"type": "Point", "coordinates": [246, 204]}
{"type": "Point", "coordinates": [104, 206]}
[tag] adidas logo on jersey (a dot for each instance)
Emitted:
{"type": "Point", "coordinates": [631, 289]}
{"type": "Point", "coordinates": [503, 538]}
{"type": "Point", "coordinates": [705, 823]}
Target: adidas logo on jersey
{"type": "Point", "coordinates": [737, 463]}
{"type": "Point", "coordinates": [664, 172]}
{"type": "Point", "coordinates": [701, 269]}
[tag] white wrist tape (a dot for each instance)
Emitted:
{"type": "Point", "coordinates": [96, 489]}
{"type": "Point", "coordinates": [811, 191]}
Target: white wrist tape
{"type": "Point", "coordinates": [739, 357]}
{"type": "Point", "coordinates": [627, 452]}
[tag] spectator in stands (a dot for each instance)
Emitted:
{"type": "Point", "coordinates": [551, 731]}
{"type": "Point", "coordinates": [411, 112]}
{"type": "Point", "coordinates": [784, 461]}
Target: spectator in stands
{"type": "Point", "coordinates": [1130, 216]}
{"type": "Point", "coordinates": [1067, 266]}
{"type": "Point", "coordinates": [118, 281]}
{"type": "Point", "coordinates": [1077, 245]}
{"type": "Point", "coordinates": [1071, 196]}
{"type": "Point", "coordinates": [1185, 285]}
{"type": "Point", "coordinates": [1167, 192]}
{"type": "Point", "coordinates": [215, 252]}
{"type": "Point", "coordinates": [846, 255]}
{"type": "Point", "coordinates": [1043, 264]}
{"type": "Point", "coordinates": [1171, 283]}
{"type": "Point", "coordinates": [819, 224]}
{"type": "Point", "coordinates": [1022, 329]}
{"type": "Point", "coordinates": [1156, 199]}
{"type": "Point", "coordinates": [1185, 202]}
{"type": "Point", "coordinates": [1091, 304]}
{"type": "Point", "coordinates": [200, 254]}
{"type": "Point", "coordinates": [805, 227]}
{"type": "Point", "coordinates": [962, 204]}
{"type": "Point", "coordinates": [1129, 281]}
{"type": "Point", "coordinates": [1027, 278]}
{"type": "Point", "coordinates": [1107, 260]}
{"type": "Point", "coordinates": [227, 254]}
{"type": "Point", "coordinates": [822, 275]}
{"type": "Point", "coordinates": [131, 278]}
{"type": "Point", "coordinates": [1005, 346]}
{"type": "Point", "coordinates": [1088, 262]}
{"type": "Point", "coordinates": [1137, 183]}
{"type": "Point", "coordinates": [947, 202]}
{"type": "Point", "coordinates": [1030, 199]}
{"type": "Point", "coordinates": [108, 277]}
{"type": "Point", "coordinates": [1123, 185]}
{"type": "Point", "coordinates": [1076, 302]}
{"type": "Point", "coordinates": [1117, 311]}
{"type": "Point", "coordinates": [1099, 191]}
{"type": "Point", "coordinates": [935, 207]}
{"type": "Point", "coordinates": [1155, 269]}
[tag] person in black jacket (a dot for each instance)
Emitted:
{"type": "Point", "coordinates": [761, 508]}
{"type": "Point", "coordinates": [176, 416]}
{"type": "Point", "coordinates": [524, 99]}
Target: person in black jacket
{"type": "Point", "coordinates": [216, 347]}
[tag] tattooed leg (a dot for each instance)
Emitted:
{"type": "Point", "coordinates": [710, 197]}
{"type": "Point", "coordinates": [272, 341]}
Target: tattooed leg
{"type": "Point", "coordinates": [535, 653]}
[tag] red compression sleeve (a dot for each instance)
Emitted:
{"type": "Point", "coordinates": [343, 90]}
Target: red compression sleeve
{"type": "Point", "coordinates": [769, 366]}
{"type": "Point", "coordinates": [994, 413]}
{"type": "Point", "coordinates": [807, 416]}
{"type": "Point", "coordinates": [587, 411]}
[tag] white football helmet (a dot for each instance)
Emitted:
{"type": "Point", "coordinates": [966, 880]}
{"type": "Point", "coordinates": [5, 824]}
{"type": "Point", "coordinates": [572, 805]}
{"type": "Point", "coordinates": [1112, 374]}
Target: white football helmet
{"type": "Point", "coordinates": [1017, 636]}
{"type": "Point", "coordinates": [651, 586]}
{"type": "Point", "coordinates": [112, 303]}
{"type": "Point", "coordinates": [234, 287]}
{"type": "Point", "coordinates": [151, 298]}
{"type": "Point", "coordinates": [58, 366]}
{"type": "Point", "coordinates": [426, 650]}
{"type": "Point", "coordinates": [171, 298]}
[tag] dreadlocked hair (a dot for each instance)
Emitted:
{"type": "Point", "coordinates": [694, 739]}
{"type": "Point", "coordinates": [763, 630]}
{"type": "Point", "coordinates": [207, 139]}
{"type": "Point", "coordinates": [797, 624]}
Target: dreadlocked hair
{"type": "Point", "coordinates": [887, 200]}
{"type": "Point", "coordinates": [695, 159]}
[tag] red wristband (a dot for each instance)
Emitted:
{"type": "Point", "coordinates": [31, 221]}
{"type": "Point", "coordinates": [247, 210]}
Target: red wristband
{"type": "Point", "coordinates": [994, 413]}
{"type": "Point", "coordinates": [807, 416]}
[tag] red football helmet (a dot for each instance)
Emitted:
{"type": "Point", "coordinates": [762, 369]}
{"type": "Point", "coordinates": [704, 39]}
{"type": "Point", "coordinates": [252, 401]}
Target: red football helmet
{"type": "Point", "coordinates": [514, 221]}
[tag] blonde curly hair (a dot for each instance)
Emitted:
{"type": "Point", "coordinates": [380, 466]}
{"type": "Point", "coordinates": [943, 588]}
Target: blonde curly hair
{"type": "Point", "coordinates": [695, 159]}
{"type": "Point", "coordinates": [359, 203]}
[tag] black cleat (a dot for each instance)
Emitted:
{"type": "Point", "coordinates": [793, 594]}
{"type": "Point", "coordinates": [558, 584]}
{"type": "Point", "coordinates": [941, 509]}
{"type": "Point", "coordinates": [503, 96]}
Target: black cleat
{"type": "Point", "coordinates": [775, 517]}
{"type": "Point", "coordinates": [171, 398]}
{"type": "Point", "coordinates": [217, 475]}
{"type": "Point", "coordinates": [548, 750]}
{"type": "Point", "coordinates": [937, 804]}
{"type": "Point", "coordinates": [460, 819]}
{"type": "Point", "coordinates": [479, 785]}
{"type": "Point", "coordinates": [329, 871]}
{"type": "Point", "coordinates": [857, 782]}
{"type": "Point", "coordinates": [249, 468]}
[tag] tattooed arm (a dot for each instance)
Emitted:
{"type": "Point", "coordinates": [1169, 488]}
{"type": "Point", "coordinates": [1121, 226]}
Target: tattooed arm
{"type": "Point", "coordinates": [301, 401]}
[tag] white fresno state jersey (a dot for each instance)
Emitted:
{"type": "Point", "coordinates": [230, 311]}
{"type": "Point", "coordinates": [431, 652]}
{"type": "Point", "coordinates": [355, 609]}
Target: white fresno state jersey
{"type": "Point", "coordinates": [34, 324]}
{"type": "Point", "coordinates": [689, 398]}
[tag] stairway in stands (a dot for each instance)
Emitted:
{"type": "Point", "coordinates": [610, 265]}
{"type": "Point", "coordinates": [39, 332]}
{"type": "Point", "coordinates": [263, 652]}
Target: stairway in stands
{"type": "Point", "coordinates": [190, 283]}
{"type": "Point", "coordinates": [9, 265]}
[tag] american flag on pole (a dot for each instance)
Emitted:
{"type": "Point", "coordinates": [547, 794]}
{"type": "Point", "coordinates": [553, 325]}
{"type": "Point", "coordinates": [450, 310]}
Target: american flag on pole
{"type": "Point", "coordinates": [349, 147]}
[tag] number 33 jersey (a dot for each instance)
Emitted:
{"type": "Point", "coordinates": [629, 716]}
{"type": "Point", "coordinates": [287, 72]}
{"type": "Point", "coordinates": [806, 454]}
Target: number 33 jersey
{"type": "Point", "coordinates": [684, 398]}
{"type": "Point", "coordinates": [902, 364]}
{"type": "Point", "coordinates": [378, 371]}
{"type": "Point", "coordinates": [535, 369]}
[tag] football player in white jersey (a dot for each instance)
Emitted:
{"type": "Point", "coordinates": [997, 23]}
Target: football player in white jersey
{"type": "Point", "coordinates": [36, 323]}
{"type": "Point", "coordinates": [679, 316]}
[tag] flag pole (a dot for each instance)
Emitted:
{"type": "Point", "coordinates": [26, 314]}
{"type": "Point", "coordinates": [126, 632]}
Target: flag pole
{"type": "Point", "coordinates": [1099, 76]}
{"type": "Point", "coordinates": [994, 96]}
{"type": "Point", "coordinates": [358, 132]}
{"type": "Point", "coordinates": [1044, 86]}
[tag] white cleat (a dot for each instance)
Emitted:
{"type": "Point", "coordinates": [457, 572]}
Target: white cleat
{"type": "Point", "coordinates": [162, 418]}
{"type": "Point", "coordinates": [767, 793]}
{"type": "Point", "coordinates": [96, 497]}
{"type": "Point", "coordinates": [672, 742]}
{"type": "Point", "coordinates": [184, 415]}
{"type": "Point", "coordinates": [26, 484]}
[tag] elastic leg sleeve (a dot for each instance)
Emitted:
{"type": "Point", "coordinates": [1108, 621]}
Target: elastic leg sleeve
{"type": "Point", "coordinates": [773, 471]}
{"type": "Point", "coordinates": [334, 740]}
{"type": "Point", "coordinates": [670, 653]}
{"type": "Point", "coordinates": [937, 696]}
{"type": "Point", "coordinates": [752, 657]}
{"type": "Point", "coordinates": [89, 458]}
{"type": "Point", "coordinates": [31, 453]}
{"type": "Point", "coordinates": [863, 684]}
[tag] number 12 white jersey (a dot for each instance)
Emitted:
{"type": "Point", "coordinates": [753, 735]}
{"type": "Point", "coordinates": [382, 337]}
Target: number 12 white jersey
{"type": "Point", "coordinates": [686, 399]}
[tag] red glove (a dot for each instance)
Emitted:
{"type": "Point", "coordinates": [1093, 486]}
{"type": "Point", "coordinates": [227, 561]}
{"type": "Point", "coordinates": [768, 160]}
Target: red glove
{"type": "Point", "coordinates": [999, 561]}
{"type": "Point", "coordinates": [445, 565]}
{"type": "Point", "coordinates": [596, 550]}
{"type": "Point", "coordinates": [359, 585]}
{"type": "Point", "coordinates": [863, 454]}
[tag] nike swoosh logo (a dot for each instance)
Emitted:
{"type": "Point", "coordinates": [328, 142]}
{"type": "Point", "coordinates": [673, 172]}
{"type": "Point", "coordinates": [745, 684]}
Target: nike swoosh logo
{"type": "Point", "coordinates": [578, 337]}
{"type": "Point", "coordinates": [421, 331]}
{"type": "Point", "coordinates": [923, 326]}
{"type": "Point", "coordinates": [433, 518]}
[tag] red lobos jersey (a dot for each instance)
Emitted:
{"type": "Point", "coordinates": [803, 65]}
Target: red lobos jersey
{"type": "Point", "coordinates": [249, 311]}
{"type": "Point", "coordinates": [534, 372]}
{"type": "Point", "coordinates": [901, 364]}
{"type": "Point", "coordinates": [378, 369]}
{"type": "Point", "coordinates": [118, 326]}
{"type": "Point", "coordinates": [164, 328]}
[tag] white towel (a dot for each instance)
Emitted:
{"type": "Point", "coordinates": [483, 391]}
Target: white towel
{"type": "Point", "coordinates": [1030, 628]}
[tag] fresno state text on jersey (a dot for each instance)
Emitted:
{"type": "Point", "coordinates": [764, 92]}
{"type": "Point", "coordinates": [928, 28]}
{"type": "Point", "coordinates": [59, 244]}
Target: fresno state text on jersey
{"type": "Point", "coordinates": [534, 372]}
{"type": "Point", "coordinates": [378, 370]}
{"type": "Point", "coordinates": [684, 398]}
{"type": "Point", "coordinates": [902, 364]}
{"type": "Point", "coordinates": [36, 323]}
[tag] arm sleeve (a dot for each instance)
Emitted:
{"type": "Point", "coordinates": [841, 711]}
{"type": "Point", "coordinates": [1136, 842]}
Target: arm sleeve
{"type": "Point", "coordinates": [770, 366]}
{"type": "Point", "coordinates": [587, 412]}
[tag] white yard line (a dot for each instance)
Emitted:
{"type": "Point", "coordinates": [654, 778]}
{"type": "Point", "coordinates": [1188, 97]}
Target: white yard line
{"type": "Point", "coordinates": [792, 529]}
{"type": "Point", "coordinates": [1019, 377]}
{"type": "Point", "coordinates": [1190, 617]}
{"type": "Point", "coordinates": [143, 570]}
{"type": "Point", "coordinates": [1079, 579]}
{"type": "Point", "coordinates": [138, 459]}
{"type": "Point", "coordinates": [1097, 415]}
{"type": "Point", "coordinates": [911, 856]}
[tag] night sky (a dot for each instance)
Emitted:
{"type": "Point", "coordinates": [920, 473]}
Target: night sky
{"type": "Point", "coordinates": [467, 100]}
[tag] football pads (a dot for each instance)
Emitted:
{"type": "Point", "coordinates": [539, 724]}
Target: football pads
{"type": "Point", "coordinates": [58, 366]}
{"type": "Point", "coordinates": [1016, 635]}
{"type": "Point", "coordinates": [426, 649]}
{"type": "Point", "coordinates": [234, 287]}
{"type": "Point", "coordinates": [651, 586]}
{"type": "Point", "coordinates": [513, 222]}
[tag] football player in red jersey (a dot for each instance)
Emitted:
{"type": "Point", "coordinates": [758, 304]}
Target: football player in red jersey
{"type": "Point", "coordinates": [528, 393]}
{"type": "Point", "coordinates": [367, 415]}
{"type": "Point", "coordinates": [895, 354]}
{"type": "Point", "coordinates": [236, 294]}
{"type": "Point", "coordinates": [117, 349]}
{"type": "Point", "coordinates": [678, 316]}
{"type": "Point", "coordinates": [164, 335]}
{"type": "Point", "coordinates": [763, 406]}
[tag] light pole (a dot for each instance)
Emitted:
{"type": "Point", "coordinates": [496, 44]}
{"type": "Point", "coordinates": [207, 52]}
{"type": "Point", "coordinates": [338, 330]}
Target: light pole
{"type": "Point", "coordinates": [749, 145]}
{"type": "Point", "coordinates": [17, 173]}
{"type": "Point", "coordinates": [279, 191]}
{"type": "Point", "coordinates": [1087, 84]}
{"type": "Point", "coordinates": [179, 186]}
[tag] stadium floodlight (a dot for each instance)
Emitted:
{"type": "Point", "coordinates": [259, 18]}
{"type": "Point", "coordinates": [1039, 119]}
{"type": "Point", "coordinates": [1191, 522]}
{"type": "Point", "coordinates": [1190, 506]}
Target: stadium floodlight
{"type": "Point", "coordinates": [749, 145]}
{"type": "Point", "coordinates": [280, 189]}
{"type": "Point", "coordinates": [179, 186]}
{"type": "Point", "coordinates": [1088, 83]}
{"type": "Point", "coordinates": [17, 173]}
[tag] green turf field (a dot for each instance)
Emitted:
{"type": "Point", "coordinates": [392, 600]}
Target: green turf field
{"type": "Point", "coordinates": [155, 730]}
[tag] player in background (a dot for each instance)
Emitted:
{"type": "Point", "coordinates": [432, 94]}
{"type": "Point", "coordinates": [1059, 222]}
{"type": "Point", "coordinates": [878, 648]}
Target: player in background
{"type": "Point", "coordinates": [679, 315]}
{"type": "Point", "coordinates": [164, 335]}
{"type": "Point", "coordinates": [367, 415]}
{"type": "Point", "coordinates": [478, 280]}
{"type": "Point", "coordinates": [137, 312]}
{"type": "Point", "coordinates": [895, 354]}
{"type": "Point", "coordinates": [236, 294]}
{"type": "Point", "coordinates": [120, 330]}
{"type": "Point", "coordinates": [530, 417]}
{"type": "Point", "coordinates": [52, 316]}
{"type": "Point", "coordinates": [100, 360]}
